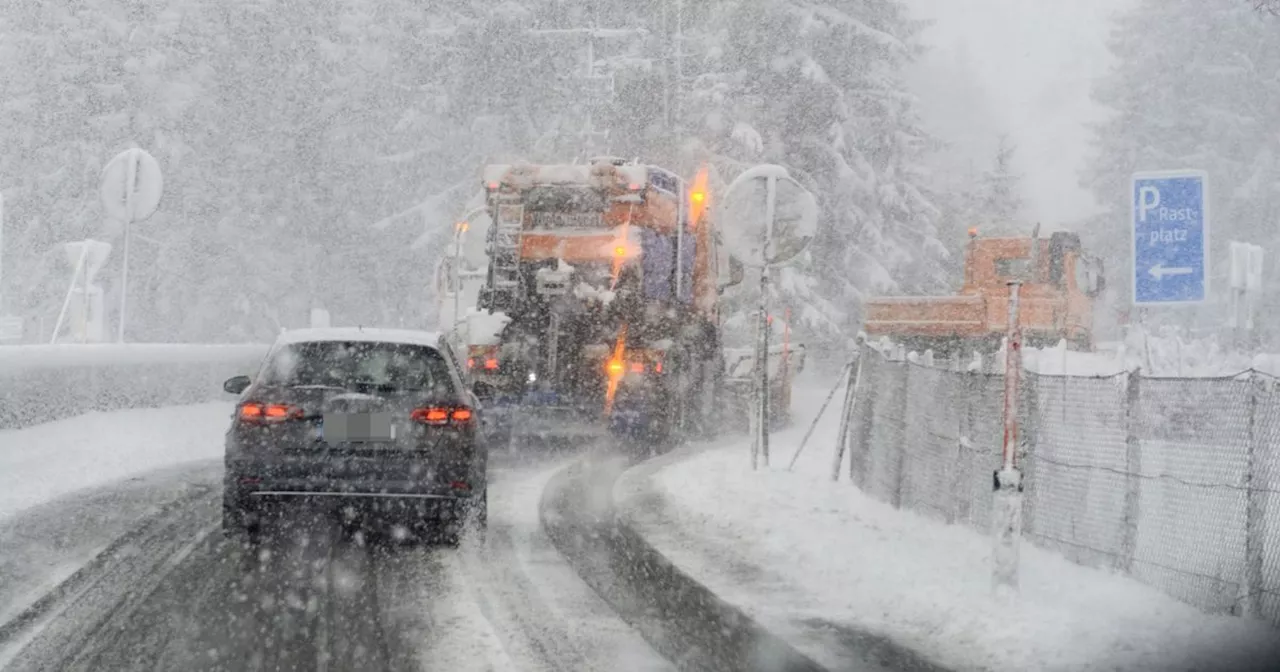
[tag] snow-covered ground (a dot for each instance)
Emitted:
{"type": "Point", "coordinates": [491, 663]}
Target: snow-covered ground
{"type": "Point", "coordinates": [798, 552]}
{"type": "Point", "coordinates": [41, 463]}
{"type": "Point", "coordinates": [21, 357]}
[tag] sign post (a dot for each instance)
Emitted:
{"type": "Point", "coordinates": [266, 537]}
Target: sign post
{"type": "Point", "coordinates": [1170, 229]}
{"type": "Point", "coordinates": [775, 218]}
{"type": "Point", "coordinates": [1, 254]}
{"type": "Point", "coordinates": [10, 326]}
{"type": "Point", "coordinates": [131, 188]}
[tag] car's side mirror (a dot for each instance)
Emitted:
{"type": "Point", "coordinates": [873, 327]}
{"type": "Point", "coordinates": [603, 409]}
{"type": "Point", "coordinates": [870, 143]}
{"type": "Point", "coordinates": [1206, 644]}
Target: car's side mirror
{"type": "Point", "coordinates": [737, 272]}
{"type": "Point", "coordinates": [237, 384]}
{"type": "Point", "coordinates": [483, 391]}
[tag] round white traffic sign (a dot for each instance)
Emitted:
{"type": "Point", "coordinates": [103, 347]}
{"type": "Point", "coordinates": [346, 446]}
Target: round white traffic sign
{"type": "Point", "coordinates": [749, 224]}
{"type": "Point", "coordinates": [131, 186]}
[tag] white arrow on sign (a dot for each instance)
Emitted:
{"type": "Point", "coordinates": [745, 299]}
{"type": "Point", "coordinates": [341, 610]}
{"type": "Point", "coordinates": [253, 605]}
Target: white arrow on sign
{"type": "Point", "coordinates": [1159, 272]}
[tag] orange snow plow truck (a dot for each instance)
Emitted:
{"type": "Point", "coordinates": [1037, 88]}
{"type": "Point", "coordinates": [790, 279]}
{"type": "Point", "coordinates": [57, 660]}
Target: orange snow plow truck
{"type": "Point", "coordinates": [603, 292]}
{"type": "Point", "coordinates": [1055, 303]}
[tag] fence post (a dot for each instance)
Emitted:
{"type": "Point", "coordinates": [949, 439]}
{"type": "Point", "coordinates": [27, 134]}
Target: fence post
{"type": "Point", "coordinates": [1029, 411]}
{"type": "Point", "coordinates": [1255, 509]}
{"type": "Point", "coordinates": [901, 456]}
{"type": "Point", "coordinates": [1133, 469]}
{"type": "Point", "coordinates": [960, 487]}
{"type": "Point", "coordinates": [860, 451]}
{"type": "Point", "coordinates": [854, 373]}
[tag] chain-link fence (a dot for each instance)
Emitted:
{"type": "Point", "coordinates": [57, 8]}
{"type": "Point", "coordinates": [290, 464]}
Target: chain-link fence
{"type": "Point", "coordinates": [1173, 481]}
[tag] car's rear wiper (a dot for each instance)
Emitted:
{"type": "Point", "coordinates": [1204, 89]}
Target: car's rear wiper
{"type": "Point", "coordinates": [385, 387]}
{"type": "Point", "coordinates": [338, 388]}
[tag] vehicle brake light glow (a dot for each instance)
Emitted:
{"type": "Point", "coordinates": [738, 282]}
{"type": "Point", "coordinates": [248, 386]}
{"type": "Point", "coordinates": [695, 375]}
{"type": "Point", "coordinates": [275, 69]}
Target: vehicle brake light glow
{"type": "Point", "coordinates": [460, 485]}
{"type": "Point", "coordinates": [657, 368]}
{"type": "Point", "coordinates": [258, 412]}
{"type": "Point", "coordinates": [439, 416]}
{"type": "Point", "coordinates": [491, 364]}
{"type": "Point", "coordinates": [471, 362]}
{"type": "Point", "coordinates": [637, 367]}
{"type": "Point", "coordinates": [430, 416]}
{"type": "Point", "coordinates": [615, 367]}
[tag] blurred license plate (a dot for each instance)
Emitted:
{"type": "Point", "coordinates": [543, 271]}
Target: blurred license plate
{"type": "Point", "coordinates": [357, 427]}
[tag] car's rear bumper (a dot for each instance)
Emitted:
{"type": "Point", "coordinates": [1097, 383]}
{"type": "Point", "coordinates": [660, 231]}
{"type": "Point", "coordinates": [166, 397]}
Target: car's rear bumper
{"type": "Point", "coordinates": [355, 478]}
{"type": "Point", "coordinates": [349, 494]}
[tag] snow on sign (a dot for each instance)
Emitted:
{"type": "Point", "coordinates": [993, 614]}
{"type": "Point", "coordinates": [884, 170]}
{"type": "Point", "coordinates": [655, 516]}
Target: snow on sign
{"type": "Point", "coordinates": [131, 186]}
{"type": "Point", "coordinates": [1170, 237]}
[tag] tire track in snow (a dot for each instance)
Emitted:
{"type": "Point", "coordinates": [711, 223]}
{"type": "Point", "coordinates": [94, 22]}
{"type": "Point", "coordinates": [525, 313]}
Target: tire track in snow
{"type": "Point", "coordinates": [679, 617]}
{"type": "Point", "coordinates": [66, 625]}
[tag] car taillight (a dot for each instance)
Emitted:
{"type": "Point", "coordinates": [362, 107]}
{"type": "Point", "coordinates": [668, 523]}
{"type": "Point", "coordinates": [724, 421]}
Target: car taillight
{"type": "Point", "coordinates": [440, 416]}
{"type": "Point", "coordinates": [260, 413]}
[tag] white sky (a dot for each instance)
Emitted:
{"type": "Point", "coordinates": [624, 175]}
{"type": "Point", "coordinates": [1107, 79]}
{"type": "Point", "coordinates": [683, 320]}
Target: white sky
{"type": "Point", "coordinates": [1036, 60]}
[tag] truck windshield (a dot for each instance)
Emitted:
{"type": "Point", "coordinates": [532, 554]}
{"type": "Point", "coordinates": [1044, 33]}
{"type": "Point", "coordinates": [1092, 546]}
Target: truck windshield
{"type": "Point", "coordinates": [1012, 267]}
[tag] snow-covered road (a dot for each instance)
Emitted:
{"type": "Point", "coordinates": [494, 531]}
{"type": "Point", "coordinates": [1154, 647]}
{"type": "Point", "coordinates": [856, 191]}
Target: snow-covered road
{"type": "Point", "coordinates": [153, 585]}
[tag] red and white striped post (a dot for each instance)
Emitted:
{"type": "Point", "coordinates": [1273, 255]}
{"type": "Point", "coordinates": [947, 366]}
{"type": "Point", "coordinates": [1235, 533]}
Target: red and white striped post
{"type": "Point", "coordinates": [1007, 509]}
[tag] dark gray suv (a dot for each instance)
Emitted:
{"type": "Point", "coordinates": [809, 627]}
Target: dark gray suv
{"type": "Point", "coordinates": [374, 419]}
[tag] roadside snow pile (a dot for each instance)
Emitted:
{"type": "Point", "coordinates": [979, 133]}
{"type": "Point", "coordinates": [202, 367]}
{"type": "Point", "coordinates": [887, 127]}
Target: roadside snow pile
{"type": "Point", "coordinates": [22, 357]}
{"type": "Point", "coordinates": [44, 462]}
{"type": "Point", "coordinates": [801, 553]}
{"type": "Point", "coordinates": [1167, 355]}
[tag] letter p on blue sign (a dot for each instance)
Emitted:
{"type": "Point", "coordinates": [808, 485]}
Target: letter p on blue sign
{"type": "Point", "coordinates": [1170, 229]}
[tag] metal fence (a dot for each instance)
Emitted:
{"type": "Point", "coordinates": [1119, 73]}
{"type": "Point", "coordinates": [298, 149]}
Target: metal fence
{"type": "Point", "coordinates": [1173, 481]}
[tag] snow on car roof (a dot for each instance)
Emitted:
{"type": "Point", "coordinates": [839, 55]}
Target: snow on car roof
{"type": "Point", "coordinates": [401, 336]}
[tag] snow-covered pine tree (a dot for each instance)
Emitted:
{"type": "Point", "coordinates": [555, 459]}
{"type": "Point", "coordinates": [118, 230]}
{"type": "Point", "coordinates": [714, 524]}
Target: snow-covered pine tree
{"type": "Point", "coordinates": [818, 88]}
{"type": "Point", "coordinates": [1001, 207]}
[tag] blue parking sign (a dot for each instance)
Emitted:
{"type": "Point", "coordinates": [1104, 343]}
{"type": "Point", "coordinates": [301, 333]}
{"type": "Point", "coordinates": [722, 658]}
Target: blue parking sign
{"type": "Point", "coordinates": [1170, 212]}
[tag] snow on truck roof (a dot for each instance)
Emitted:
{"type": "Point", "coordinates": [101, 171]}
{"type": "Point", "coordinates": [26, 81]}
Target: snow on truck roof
{"type": "Point", "coordinates": [553, 174]}
{"type": "Point", "coordinates": [360, 334]}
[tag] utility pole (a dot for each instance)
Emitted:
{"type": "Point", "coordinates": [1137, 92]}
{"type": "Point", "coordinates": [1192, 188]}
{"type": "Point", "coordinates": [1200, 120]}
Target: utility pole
{"type": "Point", "coordinates": [599, 86]}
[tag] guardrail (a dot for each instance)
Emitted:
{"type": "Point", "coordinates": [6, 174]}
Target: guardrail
{"type": "Point", "coordinates": [40, 383]}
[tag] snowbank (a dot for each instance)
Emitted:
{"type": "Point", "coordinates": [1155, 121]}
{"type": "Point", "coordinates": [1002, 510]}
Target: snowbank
{"type": "Point", "coordinates": [796, 549]}
{"type": "Point", "coordinates": [22, 357]}
{"type": "Point", "coordinates": [42, 463]}
{"type": "Point", "coordinates": [1165, 355]}
{"type": "Point", "coordinates": [40, 383]}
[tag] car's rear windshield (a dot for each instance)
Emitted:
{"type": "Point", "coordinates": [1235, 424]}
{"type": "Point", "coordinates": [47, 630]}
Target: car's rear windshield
{"type": "Point", "coordinates": [361, 366]}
